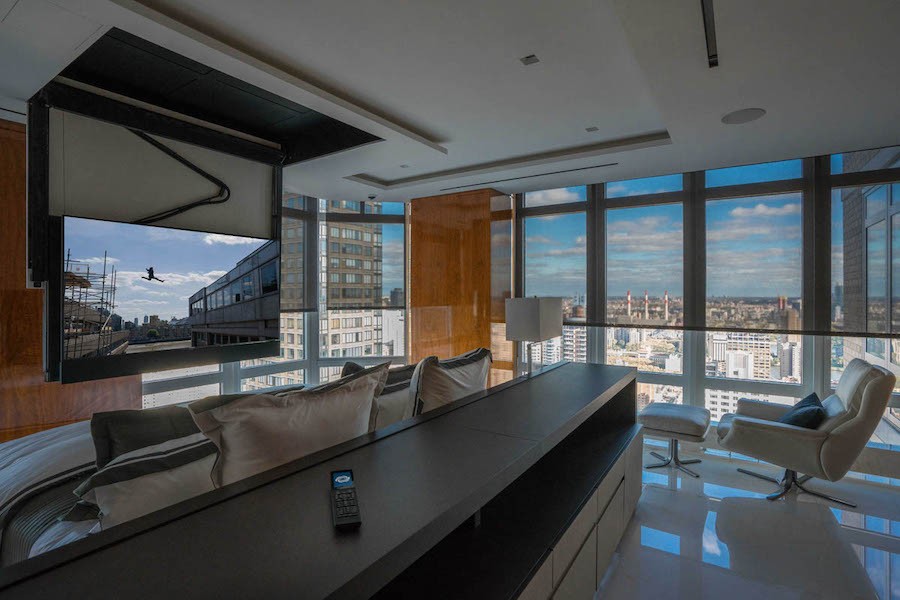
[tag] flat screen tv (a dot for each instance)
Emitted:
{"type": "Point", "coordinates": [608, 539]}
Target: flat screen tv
{"type": "Point", "coordinates": [142, 298]}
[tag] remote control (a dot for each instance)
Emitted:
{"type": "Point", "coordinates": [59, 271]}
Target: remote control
{"type": "Point", "coordinates": [344, 503]}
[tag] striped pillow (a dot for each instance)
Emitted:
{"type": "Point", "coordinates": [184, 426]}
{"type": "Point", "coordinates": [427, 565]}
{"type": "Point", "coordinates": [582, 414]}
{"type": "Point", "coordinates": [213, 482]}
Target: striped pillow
{"type": "Point", "coordinates": [148, 479]}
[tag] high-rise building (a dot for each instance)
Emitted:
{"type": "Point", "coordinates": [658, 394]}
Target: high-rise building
{"type": "Point", "coordinates": [718, 345]}
{"type": "Point", "coordinates": [789, 360]}
{"type": "Point", "coordinates": [352, 267]}
{"type": "Point", "coordinates": [739, 364]}
{"type": "Point", "coordinates": [758, 345]}
{"type": "Point", "coordinates": [397, 297]}
{"type": "Point", "coordinates": [575, 344]}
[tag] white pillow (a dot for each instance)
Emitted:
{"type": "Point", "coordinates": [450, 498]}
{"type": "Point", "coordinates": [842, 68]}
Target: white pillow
{"type": "Point", "coordinates": [439, 382]}
{"type": "Point", "coordinates": [392, 405]}
{"type": "Point", "coordinates": [258, 432]}
{"type": "Point", "coordinates": [145, 480]}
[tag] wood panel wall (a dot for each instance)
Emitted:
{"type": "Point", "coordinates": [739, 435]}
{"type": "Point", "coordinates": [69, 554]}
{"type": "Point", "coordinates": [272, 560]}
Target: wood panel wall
{"type": "Point", "coordinates": [460, 273]}
{"type": "Point", "coordinates": [27, 402]}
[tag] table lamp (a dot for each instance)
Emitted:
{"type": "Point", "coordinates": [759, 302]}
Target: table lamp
{"type": "Point", "coordinates": [533, 320]}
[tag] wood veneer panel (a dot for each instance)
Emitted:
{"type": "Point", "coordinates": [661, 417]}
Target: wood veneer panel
{"type": "Point", "coordinates": [27, 402]}
{"type": "Point", "coordinates": [450, 273]}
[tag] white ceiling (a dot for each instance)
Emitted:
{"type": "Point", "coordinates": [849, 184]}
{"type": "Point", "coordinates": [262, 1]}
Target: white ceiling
{"type": "Point", "coordinates": [441, 82]}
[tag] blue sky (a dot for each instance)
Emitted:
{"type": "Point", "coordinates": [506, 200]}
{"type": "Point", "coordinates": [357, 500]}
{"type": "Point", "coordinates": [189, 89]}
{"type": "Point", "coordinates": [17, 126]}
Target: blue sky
{"type": "Point", "coordinates": [555, 261]}
{"type": "Point", "coordinates": [754, 245]}
{"type": "Point", "coordinates": [186, 260]}
{"type": "Point", "coordinates": [392, 257]}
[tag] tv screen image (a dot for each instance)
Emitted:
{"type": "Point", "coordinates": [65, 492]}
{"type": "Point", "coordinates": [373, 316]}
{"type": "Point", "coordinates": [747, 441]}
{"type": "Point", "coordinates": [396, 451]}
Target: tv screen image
{"type": "Point", "coordinates": [138, 289]}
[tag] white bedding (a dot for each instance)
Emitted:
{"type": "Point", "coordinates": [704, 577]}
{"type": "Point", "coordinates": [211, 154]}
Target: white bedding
{"type": "Point", "coordinates": [43, 458]}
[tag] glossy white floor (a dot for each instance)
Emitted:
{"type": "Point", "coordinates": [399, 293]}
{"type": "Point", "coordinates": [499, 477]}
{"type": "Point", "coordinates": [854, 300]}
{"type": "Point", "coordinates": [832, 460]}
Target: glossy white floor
{"type": "Point", "coordinates": [718, 537]}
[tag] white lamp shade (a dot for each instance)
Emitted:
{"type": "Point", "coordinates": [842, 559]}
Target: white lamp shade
{"type": "Point", "coordinates": [533, 319]}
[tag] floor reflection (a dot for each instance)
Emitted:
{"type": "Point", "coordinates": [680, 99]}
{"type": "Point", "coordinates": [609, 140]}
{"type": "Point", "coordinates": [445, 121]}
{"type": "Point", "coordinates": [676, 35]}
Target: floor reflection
{"type": "Point", "coordinates": [718, 537]}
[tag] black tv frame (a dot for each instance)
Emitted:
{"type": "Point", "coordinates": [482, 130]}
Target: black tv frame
{"type": "Point", "coordinates": [74, 370]}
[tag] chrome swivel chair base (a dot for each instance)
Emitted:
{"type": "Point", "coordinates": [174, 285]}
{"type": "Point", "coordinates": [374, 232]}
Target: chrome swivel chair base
{"type": "Point", "coordinates": [674, 460]}
{"type": "Point", "coordinates": [788, 481]}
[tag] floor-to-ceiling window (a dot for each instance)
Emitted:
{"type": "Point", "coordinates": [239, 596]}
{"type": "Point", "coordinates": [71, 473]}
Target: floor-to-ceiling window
{"type": "Point", "coordinates": [643, 270]}
{"type": "Point", "coordinates": [554, 256]}
{"type": "Point", "coordinates": [865, 274]}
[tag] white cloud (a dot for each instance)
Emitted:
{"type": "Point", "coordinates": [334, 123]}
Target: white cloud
{"type": "Point", "coordinates": [557, 196]}
{"type": "Point", "coordinates": [97, 260]}
{"type": "Point", "coordinates": [228, 240]}
{"type": "Point", "coordinates": [540, 239]}
{"type": "Point", "coordinates": [765, 210]}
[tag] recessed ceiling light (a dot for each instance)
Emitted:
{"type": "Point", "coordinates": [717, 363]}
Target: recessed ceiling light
{"type": "Point", "coordinates": [745, 115]}
{"type": "Point", "coordinates": [591, 129]}
{"type": "Point", "coordinates": [529, 60]}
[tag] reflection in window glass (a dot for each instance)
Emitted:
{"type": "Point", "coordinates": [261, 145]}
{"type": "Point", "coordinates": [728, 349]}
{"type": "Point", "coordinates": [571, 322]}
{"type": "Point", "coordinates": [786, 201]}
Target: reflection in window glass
{"type": "Point", "coordinates": [865, 160]}
{"type": "Point", "coordinates": [293, 234]}
{"type": "Point", "coordinates": [647, 185]}
{"type": "Point", "coordinates": [263, 382]}
{"type": "Point", "coordinates": [754, 356]}
{"type": "Point", "coordinates": [721, 402]}
{"type": "Point", "coordinates": [178, 396]}
{"type": "Point", "coordinates": [754, 262]}
{"type": "Point", "coordinates": [773, 171]}
{"type": "Point", "coordinates": [392, 276]}
{"type": "Point", "coordinates": [364, 265]}
{"type": "Point", "coordinates": [876, 277]}
{"type": "Point", "coordinates": [555, 260]}
{"type": "Point", "coordinates": [385, 208]}
{"type": "Point", "coordinates": [268, 277]}
{"type": "Point", "coordinates": [362, 333]}
{"type": "Point", "coordinates": [557, 196]}
{"type": "Point", "coordinates": [291, 347]}
{"type": "Point", "coordinates": [644, 267]}
{"type": "Point", "coordinates": [181, 395]}
{"type": "Point", "coordinates": [648, 350]}
{"type": "Point", "coordinates": [839, 288]}
{"type": "Point", "coordinates": [895, 273]}
{"type": "Point", "coordinates": [876, 201]}
{"type": "Point", "coordinates": [297, 201]}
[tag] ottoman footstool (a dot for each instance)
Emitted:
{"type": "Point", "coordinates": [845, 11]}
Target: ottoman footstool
{"type": "Point", "coordinates": [676, 422]}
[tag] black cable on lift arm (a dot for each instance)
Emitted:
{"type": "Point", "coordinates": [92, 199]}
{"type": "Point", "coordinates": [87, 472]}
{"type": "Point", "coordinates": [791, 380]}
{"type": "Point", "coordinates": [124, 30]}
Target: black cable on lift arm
{"type": "Point", "coordinates": [222, 196]}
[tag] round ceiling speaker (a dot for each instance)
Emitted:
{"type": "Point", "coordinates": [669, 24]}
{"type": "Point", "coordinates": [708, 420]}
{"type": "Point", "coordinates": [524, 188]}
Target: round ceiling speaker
{"type": "Point", "coordinates": [745, 115]}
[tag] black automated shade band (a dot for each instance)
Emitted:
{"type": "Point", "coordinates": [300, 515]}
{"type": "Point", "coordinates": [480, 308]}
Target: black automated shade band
{"type": "Point", "coordinates": [364, 307]}
{"type": "Point", "coordinates": [826, 333]}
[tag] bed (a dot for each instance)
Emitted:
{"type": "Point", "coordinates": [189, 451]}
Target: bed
{"type": "Point", "coordinates": [38, 474]}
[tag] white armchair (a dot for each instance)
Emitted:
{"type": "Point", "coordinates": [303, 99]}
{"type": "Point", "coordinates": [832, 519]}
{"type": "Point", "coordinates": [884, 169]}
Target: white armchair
{"type": "Point", "coordinates": [853, 413]}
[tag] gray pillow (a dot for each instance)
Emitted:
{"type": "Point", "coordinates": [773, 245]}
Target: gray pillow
{"type": "Point", "coordinates": [145, 480]}
{"type": "Point", "coordinates": [257, 432]}
{"type": "Point", "coordinates": [439, 382]}
{"type": "Point", "coordinates": [117, 432]}
{"type": "Point", "coordinates": [394, 403]}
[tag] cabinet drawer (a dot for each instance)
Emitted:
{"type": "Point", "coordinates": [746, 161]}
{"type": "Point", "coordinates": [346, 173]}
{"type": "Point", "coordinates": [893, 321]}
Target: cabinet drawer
{"type": "Point", "coordinates": [634, 456]}
{"type": "Point", "coordinates": [610, 483]}
{"type": "Point", "coordinates": [541, 585]}
{"type": "Point", "coordinates": [565, 550]}
{"type": "Point", "coordinates": [579, 582]}
{"type": "Point", "coordinates": [610, 529]}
